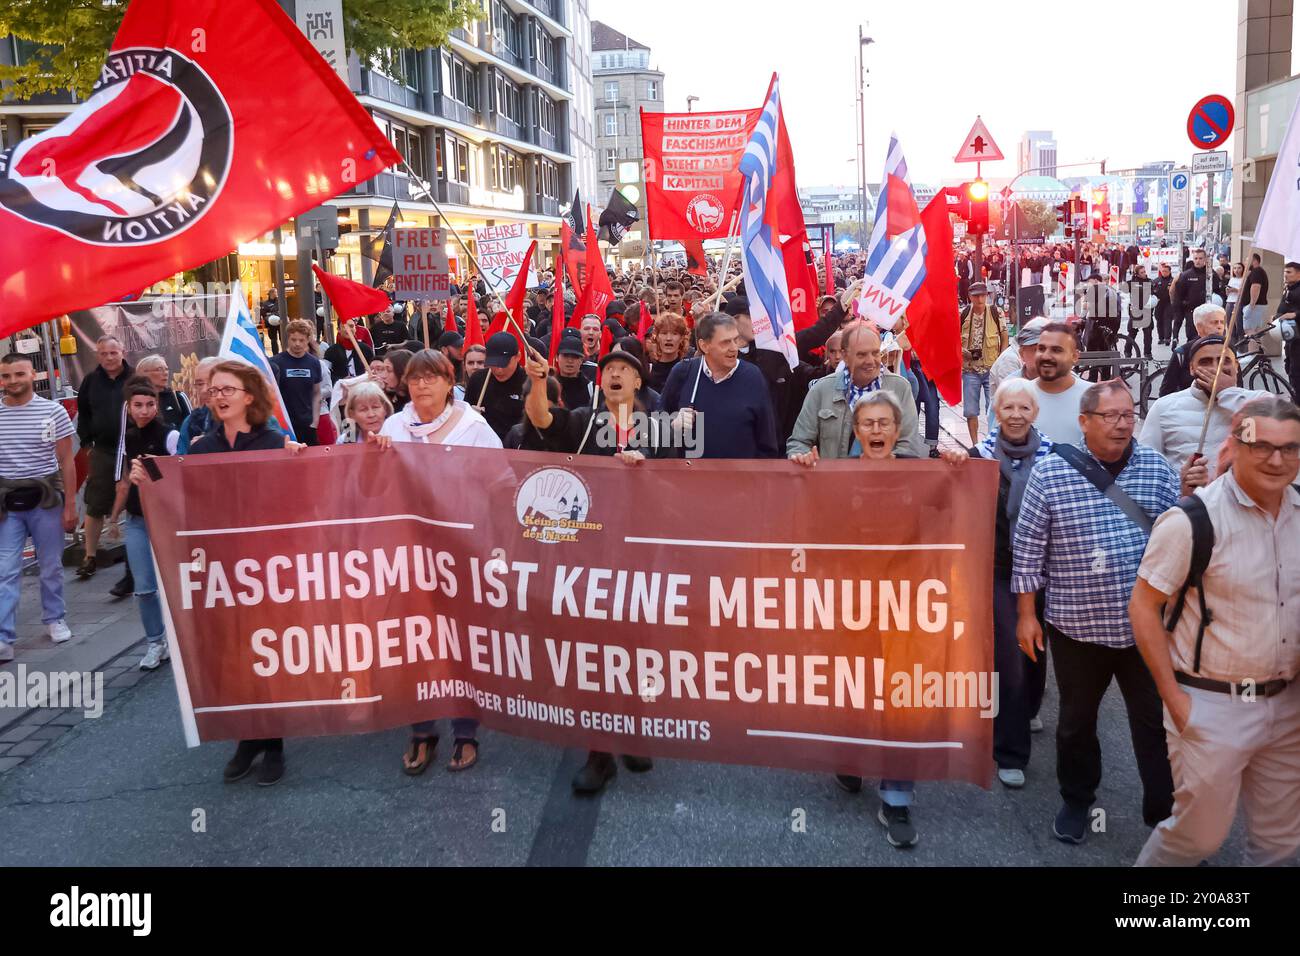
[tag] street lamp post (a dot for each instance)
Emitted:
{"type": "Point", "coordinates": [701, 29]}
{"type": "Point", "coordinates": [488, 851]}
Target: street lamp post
{"type": "Point", "coordinates": [863, 42]}
{"type": "Point", "coordinates": [690, 103]}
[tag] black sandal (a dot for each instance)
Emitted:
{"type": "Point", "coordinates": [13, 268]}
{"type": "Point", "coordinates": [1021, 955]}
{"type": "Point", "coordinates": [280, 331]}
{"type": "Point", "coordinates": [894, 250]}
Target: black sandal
{"type": "Point", "coordinates": [418, 756]}
{"type": "Point", "coordinates": [455, 766]}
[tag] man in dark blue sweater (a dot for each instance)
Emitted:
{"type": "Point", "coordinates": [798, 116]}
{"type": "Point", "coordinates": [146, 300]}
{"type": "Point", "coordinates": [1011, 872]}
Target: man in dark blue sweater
{"type": "Point", "coordinates": [726, 400]}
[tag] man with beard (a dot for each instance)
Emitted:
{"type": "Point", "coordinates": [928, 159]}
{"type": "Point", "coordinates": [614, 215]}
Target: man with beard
{"type": "Point", "coordinates": [99, 427]}
{"type": "Point", "coordinates": [498, 390]}
{"type": "Point", "coordinates": [1057, 388]}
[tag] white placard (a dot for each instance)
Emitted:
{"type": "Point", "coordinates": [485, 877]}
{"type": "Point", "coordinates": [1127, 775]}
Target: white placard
{"type": "Point", "coordinates": [1215, 162]}
{"type": "Point", "coordinates": [501, 251]}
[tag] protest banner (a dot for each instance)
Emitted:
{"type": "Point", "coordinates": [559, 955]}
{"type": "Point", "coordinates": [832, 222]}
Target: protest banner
{"type": "Point", "coordinates": [421, 269]}
{"type": "Point", "coordinates": [183, 329]}
{"type": "Point", "coordinates": [692, 171]}
{"type": "Point", "coordinates": [827, 632]}
{"type": "Point", "coordinates": [501, 252]}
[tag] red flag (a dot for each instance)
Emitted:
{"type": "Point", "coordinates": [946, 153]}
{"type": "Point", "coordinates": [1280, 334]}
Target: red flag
{"type": "Point", "coordinates": [606, 343]}
{"type": "Point", "coordinates": [697, 263]}
{"type": "Point", "coordinates": [573, 253]}
{"type": "Point", "coordinates": [557, 310]}
{"type": "Point", "coordinates": [349, 298]}
{"type": "Point", "coordinates": [830, 277]}
{"type": "Point", "coordinates": [699, 185]}
{"type": "Point", "coordinates": [934, 324]}
{"type": "Point", "coordinates": [473, 327]}
{"type": "Point", "coordinates": [645, 324]}
{"type": "Point", "coordinates": [598, 292]}
{"type": "Point", "coordinates": [801, 285]}
{"type": "Point", "coordinates": [176, 158]}
{"type": "Point", "coordinates": [515, 298]}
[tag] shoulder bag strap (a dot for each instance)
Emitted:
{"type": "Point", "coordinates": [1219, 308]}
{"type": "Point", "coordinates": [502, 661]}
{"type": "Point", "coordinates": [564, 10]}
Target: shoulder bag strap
{"type": "Point", "coordinates": [1108, 486]}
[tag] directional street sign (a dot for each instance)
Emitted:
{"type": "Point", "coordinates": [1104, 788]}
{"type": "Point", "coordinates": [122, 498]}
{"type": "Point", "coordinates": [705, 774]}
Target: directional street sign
{"type": "Point", "coordinates": [978, 147]}
{"type": "Point", "coordinates": [1180, 201]}
{"type": "Point", "coordinates": [1210, 122]}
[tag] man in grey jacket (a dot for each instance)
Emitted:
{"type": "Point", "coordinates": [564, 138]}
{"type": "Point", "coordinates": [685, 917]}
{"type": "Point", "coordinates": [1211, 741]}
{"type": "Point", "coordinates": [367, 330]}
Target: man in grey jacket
{"type": "Point", "coordinates": [824, 422]}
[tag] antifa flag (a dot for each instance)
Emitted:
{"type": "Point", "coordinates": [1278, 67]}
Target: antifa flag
{"type": "Point", "coordinates": [175, 158]}
{"type": "Point", "coordinates": [618, 217]}
{"type": "Point", "coordinates": [380, 249]}
{"type": "Point", "coordinates": [693, 183]}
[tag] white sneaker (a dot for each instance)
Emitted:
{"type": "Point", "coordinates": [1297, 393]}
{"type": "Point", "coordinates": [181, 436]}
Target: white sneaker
{"type": "Point", "coordinates": [60, 633]}
{"type": "Point", "coordinates": [155, 655]}
{"type": "Point", "coordinates": [1035, 725]}
{"type": "Point", "coordinates": [1015, 779]}
{"type": "Point", "coordinates": [6, 652]}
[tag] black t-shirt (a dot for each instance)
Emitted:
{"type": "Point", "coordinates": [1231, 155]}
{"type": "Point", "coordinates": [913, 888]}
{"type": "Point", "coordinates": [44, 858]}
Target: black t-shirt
{"type": "Point", "coordinates": [388, 334]}
{"type": "Point", "coordinates": [1255, 277]}
{"type": "Point", "coordinates": [150, 440]}
{"type": "Point", "coordinates": [1115, 467]}
{"type": "Point", "coordinates": [296, 376]}
{"type": "Point", "coordinates": [569, 433]}
{"type": "Point", "coordinates": [503, 402]}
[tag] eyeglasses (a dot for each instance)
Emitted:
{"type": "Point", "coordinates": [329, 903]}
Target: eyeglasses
{"type": "Point", "coordinates": [225, 391]}
{"type": "Point", "coordinates": [1114, 418]}
{"type": "Point", "coordinates": [1263, 450]}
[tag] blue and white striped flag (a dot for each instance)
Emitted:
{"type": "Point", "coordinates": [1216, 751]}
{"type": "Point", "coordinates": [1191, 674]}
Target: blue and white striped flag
{"type": "Point", "coordinates": [760, 250]}
{"type": "Point", "coordinates": [241, 342]}
{"type": "Point", "coordinates": [897, 250]}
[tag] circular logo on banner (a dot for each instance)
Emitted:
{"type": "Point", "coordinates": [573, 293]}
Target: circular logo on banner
{"type": "Point", "coordinates": [705, 213]}
{"type": "Point", "coordinates": [552, 504]}
{"type": "Point", "coordinates": [140, 161]}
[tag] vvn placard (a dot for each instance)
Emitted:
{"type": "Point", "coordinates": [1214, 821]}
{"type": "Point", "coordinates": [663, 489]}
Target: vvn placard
{"type": "Point", "coordinates": [834, 620]}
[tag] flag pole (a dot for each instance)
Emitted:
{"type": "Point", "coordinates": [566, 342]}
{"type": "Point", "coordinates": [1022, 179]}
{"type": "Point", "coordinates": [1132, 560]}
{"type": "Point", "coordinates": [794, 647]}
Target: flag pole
{"type": "Point", "coordinates": [1214, 386]}
{"type": "Point", "coordinates": [726, 264]}
{"type": "Point", "coordinates": [428, 194]}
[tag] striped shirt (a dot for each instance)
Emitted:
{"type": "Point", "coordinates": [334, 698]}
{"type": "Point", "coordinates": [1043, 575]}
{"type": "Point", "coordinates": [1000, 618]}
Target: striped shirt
{"type": "Point", "coordinates": [1075, 542]}
{"type": "Point", "coordinates": [28, 434]}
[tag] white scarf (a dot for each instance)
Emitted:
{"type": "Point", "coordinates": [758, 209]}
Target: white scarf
{"type": "Point", "coordinates": [420, 431]}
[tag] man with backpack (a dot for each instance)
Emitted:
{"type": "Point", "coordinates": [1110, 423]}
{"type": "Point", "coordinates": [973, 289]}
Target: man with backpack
{"type": "Point", "coordinates": [1083, 526]}
{"type": "Point", "coordinates": [1216, 614]}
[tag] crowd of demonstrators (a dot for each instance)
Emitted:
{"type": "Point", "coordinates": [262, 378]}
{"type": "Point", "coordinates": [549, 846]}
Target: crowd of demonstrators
{"type": "Point", "coordinates": [1077, 570]}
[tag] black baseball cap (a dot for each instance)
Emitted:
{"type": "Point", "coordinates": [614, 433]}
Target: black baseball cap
{"type": "Point", "coordinates": [570, 343]}
{"type": "Point", "coordinates": [450, 340]}
{"type": "Point", "coordinates": [501, 348]}
{"type": "Point", "coordinates": [737, 305]}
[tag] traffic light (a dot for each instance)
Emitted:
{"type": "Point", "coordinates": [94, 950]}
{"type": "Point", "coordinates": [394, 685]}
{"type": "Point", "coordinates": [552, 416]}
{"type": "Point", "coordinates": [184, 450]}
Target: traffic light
{"type": "Point", "coordinates": [1096, 219]}
{"type": "Point", "coordinates": [977, 193]}
{"type": "Point", "coordinates": [1105, 219]}
{"type": "Point", "coordinates": [1063, 215]}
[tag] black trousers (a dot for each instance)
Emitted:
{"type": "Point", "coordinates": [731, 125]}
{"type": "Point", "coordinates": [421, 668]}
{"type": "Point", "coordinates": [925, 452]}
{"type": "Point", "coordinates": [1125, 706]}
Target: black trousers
{"type": "Point", "coordinates": [1164, 321]}
{"type": "Point", "coordinates": [1083, 673]}
{"type": "Point", "coordinates": [273, 336]}
{"type": "Point", "coordinates": [1021, 682]}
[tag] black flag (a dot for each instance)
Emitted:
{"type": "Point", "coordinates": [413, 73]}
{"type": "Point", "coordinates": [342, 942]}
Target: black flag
{"type": "Point", "coordinates": [380, 249]}
{"type": "Point", "coordinates": [618, 216]}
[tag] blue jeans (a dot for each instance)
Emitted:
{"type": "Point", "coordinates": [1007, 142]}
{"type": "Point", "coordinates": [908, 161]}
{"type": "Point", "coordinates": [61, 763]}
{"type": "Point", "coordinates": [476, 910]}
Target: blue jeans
{"type": "Point", "coordinates": [973, 384]}
{"type": "Point", "coordinates": [140, 556]}
{"type": "Point", "coordinates": [462, 728]}
{"type": "Point", "coordinates": [45, 526]}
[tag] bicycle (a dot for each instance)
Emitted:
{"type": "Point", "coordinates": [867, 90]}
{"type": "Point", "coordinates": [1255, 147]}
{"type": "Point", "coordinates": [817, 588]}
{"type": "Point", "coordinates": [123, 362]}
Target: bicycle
{"type": "Point", "coordinates": [1256, 368]}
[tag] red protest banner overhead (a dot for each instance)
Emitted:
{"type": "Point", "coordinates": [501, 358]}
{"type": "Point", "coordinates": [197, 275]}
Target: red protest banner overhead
{"type": "Point", "coordinates": [692, 174]}
{"type": "Point", "coordinates": [860, 643]}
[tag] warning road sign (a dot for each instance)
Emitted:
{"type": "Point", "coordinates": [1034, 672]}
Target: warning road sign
{"type": "Point", "coordinates": [978, 147]}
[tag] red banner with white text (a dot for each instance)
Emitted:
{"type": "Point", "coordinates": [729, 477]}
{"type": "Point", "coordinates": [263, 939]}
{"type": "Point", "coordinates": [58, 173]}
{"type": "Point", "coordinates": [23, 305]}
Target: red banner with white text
{"type": "Point", "coordinates": [814, 629]}
{"type": "Point", "coordinates": [692, 171]}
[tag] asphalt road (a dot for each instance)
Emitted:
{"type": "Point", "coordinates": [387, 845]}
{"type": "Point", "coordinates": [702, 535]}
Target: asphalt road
{"type": "Point", "coordinates": [124, 790]}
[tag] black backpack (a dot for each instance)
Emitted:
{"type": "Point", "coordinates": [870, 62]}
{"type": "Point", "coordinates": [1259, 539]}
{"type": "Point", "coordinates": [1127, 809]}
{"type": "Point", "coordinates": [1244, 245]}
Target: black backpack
{"type": "Point", "coordinates": [1202, 549]}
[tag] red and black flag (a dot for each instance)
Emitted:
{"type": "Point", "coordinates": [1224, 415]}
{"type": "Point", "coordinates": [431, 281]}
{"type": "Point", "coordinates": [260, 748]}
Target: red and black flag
{"type": "Point", "coordinates": [176, 156]}
{"type": "Point", "coordinates": [697, 263]}
{"type": "Point", "coordinates": [619, 216]}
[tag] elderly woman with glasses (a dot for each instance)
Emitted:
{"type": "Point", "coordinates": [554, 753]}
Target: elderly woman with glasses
{"type": "Point", "coordinates": [877, 426]}
{"type": "Point", "coordinates": [1016, 445]}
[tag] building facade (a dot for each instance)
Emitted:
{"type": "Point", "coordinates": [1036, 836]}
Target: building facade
{"type": "Point", "coordinates": [625, 83]}
{"type": "Point", "coordinates": [497, 123]}
{"type": "Point", "coordinates": [1037, 152]}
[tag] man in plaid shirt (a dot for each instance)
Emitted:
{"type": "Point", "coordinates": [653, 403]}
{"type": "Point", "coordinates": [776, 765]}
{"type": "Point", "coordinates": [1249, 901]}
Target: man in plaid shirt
{"type": "Point", "coordinates": [1083, 547]}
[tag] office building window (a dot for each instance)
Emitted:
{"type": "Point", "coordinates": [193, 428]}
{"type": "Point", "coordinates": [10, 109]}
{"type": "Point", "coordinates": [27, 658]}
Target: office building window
{"type": "Point", "coordinates": [611, 160]}
{"type": "Point", "coordinates": [652, 90]}
{"type": "Point", "coordinates": [611, 91]}
{"type": "Point", "coordinates": [545, 113]}
{"type": "Point", "coordinates": [611, 124]}
{"type": "Point", "coordinates": [507, 27]}
{"type": "Point", "coordinates": [509, 102]}
{"type": "Point", "coordinates": [545, 48]}
{"type": "Point", "coordinates": [456, 166]}
{"type": "Point", "coordinates": [461, 82]}
{"type": "Point", "coordinates": [404, 67]}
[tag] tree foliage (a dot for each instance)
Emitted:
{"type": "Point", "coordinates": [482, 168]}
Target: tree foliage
{"type": "Point", "coordinates": [64, 41]}
{"type": "Point", "coordinates": [1041, 216]}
